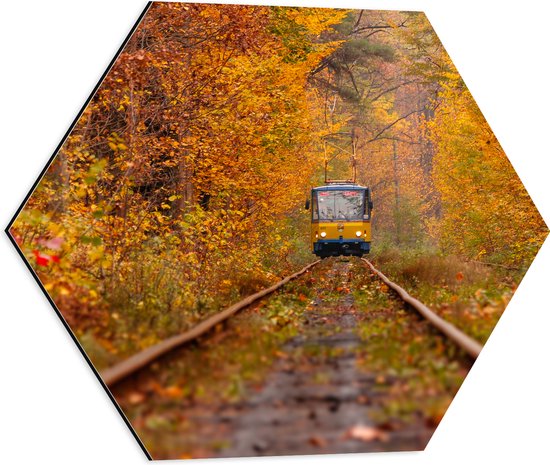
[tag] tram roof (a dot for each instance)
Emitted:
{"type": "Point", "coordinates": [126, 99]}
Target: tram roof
{"type": "Point", "coordinates": [339, 187]}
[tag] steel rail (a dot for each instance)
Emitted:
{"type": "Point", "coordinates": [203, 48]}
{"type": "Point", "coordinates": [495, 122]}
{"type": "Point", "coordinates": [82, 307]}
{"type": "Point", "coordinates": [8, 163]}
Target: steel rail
{"type": "Point", "coordinates": [465, 342]}
{"type": "Point", "coordinates": [122, 370]}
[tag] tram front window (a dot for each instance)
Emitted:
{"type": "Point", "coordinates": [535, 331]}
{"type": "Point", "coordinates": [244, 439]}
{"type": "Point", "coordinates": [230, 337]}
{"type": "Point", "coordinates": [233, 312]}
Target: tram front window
{"type": "Point", "coordinates": [340, 204]}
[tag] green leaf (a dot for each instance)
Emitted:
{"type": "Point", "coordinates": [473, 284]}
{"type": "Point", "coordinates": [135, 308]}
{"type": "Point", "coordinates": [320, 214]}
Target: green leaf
{"type": "Point", "coordinates": [93, 240]}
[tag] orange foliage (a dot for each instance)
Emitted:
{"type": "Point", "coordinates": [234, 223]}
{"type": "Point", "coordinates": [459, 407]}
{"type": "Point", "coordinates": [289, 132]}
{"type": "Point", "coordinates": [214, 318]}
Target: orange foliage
{"type": "Point", "coordinates": [182, 183]}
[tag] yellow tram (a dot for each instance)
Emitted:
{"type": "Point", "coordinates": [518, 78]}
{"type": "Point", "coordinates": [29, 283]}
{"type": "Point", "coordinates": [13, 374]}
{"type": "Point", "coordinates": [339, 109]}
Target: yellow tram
{"type": "Point", "coordinates": [340, 219]}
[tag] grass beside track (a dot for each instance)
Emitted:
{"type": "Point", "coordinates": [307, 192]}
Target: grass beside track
{"type": "Point", "coordinates": [469, 295]}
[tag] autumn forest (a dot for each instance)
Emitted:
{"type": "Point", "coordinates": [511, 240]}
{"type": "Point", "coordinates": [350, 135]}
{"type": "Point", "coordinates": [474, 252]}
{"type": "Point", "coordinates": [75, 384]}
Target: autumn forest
{"type": "Point", "coordinates": [182, 186]}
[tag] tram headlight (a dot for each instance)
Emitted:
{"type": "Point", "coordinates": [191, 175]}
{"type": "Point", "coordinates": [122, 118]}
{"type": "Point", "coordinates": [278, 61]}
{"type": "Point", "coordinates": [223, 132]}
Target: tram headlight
{"type": "Point", "coordinates": [358, 233]}
{"type": "Point", "coordinates": [323, 234]}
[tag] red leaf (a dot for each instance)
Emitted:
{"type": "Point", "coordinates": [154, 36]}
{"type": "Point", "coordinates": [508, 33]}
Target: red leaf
{"type": "Point", "coordinates": [41, 259]}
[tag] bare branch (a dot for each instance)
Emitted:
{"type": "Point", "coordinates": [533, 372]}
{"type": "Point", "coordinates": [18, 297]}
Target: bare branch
{"type": "Point", "coordinates": [391, 89]}
{"type": "Point", "coordinates": [389, 126]}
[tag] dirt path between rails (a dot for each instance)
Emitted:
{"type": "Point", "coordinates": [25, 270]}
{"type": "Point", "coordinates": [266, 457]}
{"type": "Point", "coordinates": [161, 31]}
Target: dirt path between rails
{"type": "Point", "coordinates": [315, 396]}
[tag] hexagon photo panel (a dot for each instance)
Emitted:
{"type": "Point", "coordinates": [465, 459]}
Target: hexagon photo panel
{"type": "Point", "coordinates": [279, 230]}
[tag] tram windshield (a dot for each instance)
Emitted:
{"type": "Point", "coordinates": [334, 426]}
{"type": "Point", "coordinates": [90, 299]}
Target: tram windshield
{"type": "Point", "coordinates": [339, 205]}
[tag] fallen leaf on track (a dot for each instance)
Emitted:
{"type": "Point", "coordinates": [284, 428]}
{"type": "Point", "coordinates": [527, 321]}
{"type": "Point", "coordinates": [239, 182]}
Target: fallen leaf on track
{"type": "Point", "coordinates": [280, 354]}
{"type": "Point", "coordinates": [367, 433]}
{"type": "Point", "coordinates": [173, 392]}
{"type": "Point", "coordinates": [317, 441]}
{"type": "Point", "coordinates": [135, 398]}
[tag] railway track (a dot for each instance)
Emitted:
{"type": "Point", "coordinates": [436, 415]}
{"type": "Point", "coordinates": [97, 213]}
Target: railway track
{"type": "Point", "coordinates": [126, 368]}
{"type": "Point", "coordinates": [360, 372]}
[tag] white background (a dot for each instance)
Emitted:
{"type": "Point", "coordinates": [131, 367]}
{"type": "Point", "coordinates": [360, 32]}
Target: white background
{"type": "Point", "coordinates": [52, 410]}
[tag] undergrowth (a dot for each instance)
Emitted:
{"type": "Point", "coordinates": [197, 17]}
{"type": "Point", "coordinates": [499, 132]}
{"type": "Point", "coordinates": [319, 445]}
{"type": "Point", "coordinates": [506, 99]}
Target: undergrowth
{"type": "Point", "coordinates": [470, 295]}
